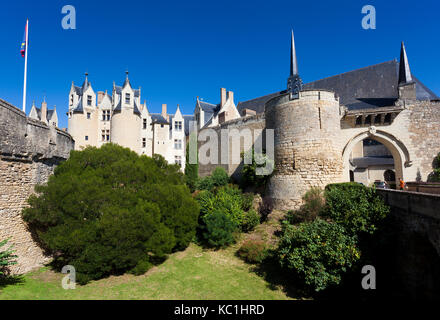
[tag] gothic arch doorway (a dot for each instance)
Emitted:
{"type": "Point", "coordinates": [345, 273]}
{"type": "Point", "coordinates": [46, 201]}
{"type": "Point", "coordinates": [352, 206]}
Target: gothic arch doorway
{"type": "Point", "coordinates": [397, 149]}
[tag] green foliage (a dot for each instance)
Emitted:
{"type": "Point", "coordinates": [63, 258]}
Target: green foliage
{"type": "Point", "coordinates": [191, 171]}
{"type": "Point", "coordinates": [355, 207]}
{"type": "Point", "coordinates": [434, 176]}
{"type": "Point", "coordinates": [227, 199]}
{"type": "Point", "coordinates": [249, 175]}
{"type": "Point", "coordinates": [107, 211]}
{"type": "Point", "coordinates": [318, 252]}
{"type": "Point", "coordinates": [314, 203]}
{"type": "Point", "coordinates": [251, 219]}
{"type": "Point", "coordinates": [7, 258]}
{"type": "Point", "coordinates": [253, 251]}
{"type": "Point", "coordinates": [248, 200]}
{"type": "Point", "coordinates": [219, 229]}
{"type": "Point", "coordinates": [218, 178]}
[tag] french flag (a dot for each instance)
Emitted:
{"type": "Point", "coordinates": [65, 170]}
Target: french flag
{"type": "Point", "coordinates": [23, 43]}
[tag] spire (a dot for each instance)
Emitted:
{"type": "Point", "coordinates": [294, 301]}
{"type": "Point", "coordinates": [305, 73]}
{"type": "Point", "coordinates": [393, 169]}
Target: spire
{"type": "Point", "coordinates": [86, 81]}
{"type": "Point", "coordinates": [294, 82]}
{"type": "Point", "coordinates": [404, 70]}
{"type": "Point", "coordinates": [293, 62]}
{"type": "Point", "coordinates": [127, 81]}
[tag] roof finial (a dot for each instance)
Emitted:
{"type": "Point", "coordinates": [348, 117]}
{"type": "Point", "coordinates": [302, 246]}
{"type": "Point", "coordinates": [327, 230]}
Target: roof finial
{"type": "Point", "coordinates": [294, 82]}
{"type": "Point", "coordinates": [404, 70]}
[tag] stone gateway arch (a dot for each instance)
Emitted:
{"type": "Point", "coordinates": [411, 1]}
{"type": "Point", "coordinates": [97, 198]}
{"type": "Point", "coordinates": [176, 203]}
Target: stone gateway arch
{"type": "Point", "coordinates": [318, 125]}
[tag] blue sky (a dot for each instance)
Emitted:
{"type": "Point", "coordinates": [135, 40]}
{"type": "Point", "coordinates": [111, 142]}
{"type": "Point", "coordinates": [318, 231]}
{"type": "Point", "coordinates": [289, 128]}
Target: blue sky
{"type": "Point", "coordinates": [177, 50]}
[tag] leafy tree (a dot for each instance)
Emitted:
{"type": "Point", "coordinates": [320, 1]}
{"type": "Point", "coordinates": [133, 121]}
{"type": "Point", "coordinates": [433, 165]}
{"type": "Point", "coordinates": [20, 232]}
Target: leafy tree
{"type": "Point", "coordinates": [317, 252]}
{"type": "Point", "coordinates": [249, 175]}
{"type": "Point", "coordinates": [107, 211]}
{"type": "Point", "coordinates": [7, 258]}
{"type": "Point", "coordinates": [191, 170]}
{"type": "Point", "coordinates": [355, 207]}
{"type": "Point", "coordinates": [253, 251]}
{"type": "Point", "coordinates": [219, 229]}
{"type": "Point", "coordinates": [434, 176]}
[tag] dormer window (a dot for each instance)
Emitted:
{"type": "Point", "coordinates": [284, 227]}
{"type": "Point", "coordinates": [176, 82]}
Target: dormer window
{"type": "Point", "coordinates": [89, 100]}
{"type": "Point", "coordinates": [127, 98]}
{"type": "Point", "coordinates": [178, 125]}
{"type": "Point", "coordinates": [145, 124]}
{"type": "Point", "coordinates": [88, 115]}
{"type": "Point", "coordinates": [71, 99]}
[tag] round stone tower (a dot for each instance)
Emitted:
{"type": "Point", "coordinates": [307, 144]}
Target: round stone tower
{"type": "Point", "coordinates": [306, 148]}
{"type": "Point", "coordinates": [126, 124]}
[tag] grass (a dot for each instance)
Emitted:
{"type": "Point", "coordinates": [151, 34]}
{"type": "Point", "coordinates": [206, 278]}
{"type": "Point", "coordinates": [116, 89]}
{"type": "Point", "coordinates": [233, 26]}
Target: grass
{"type": "Point", "coordinates": [192, 274]}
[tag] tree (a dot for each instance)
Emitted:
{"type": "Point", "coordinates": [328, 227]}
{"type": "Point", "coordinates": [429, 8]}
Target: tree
{"type": "Point", "coordinates": [191, 170]}
{"type": "Point", "coordinates": [108, 210]}
{"type": "Point", "coordinates": [434, 176]}
{"type": "Point", "coordinates": [7, 258]}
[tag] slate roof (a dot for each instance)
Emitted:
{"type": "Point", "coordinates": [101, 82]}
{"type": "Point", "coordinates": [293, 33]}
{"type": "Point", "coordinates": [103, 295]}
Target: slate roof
{"type": "Point", "coordinates": [49, 113]}
{"type": "Point", "coordinates": [186, 120]}
{"type": "Point", "coordinates": [157, 118]}
{"type": "Point", "coordinates": [370, 87]}
{"type": "Point", "coordinates": [118, 90]}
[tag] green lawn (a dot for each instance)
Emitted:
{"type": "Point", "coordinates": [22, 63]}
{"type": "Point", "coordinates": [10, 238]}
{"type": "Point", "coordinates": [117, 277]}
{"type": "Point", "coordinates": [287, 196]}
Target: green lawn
{"type": "Point", "coordinates": [192, 274]}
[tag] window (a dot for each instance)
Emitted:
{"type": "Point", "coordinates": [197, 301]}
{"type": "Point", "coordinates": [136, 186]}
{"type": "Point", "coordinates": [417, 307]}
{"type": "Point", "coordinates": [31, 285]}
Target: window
{"type": "Point", "coordinates": [89, 100]}
{"type": "Point", "coordinates": [161, 125]}
{"type": "Point", "coordinates": [106, 115]}
{"type": "Point", "coordinates": [127, 98]}
{"type": "Point", "coordinates": [88, 115]}
{"type": "Point", "coordinates": [71, 99]}
{"type": "Point", "coordinates": [144, 142]}
{"type": "Point", "coordinates": [177, 144]}
{"type": "Point", "coordinates": [87, 138]}
{"type": "Point", "coordinates": [178, 160]}
{"type": "Point", "coordinates": [107, 132]}
{"type": "Point", "coordinates": [103, 135]}
{"type": "Point", "coordinates": [178, 125]}
{"type": "Point", "coordinates": [145, 124]}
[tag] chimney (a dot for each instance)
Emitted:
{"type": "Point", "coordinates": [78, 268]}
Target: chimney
{"type": "Point", "coordinates": [101, 95]}
{"type": "Point", "coordinates": [222, 97]}
{"type": "Point", "coordinates": [164, 110]}
{"type": "Point", "coordinates": [230, 95]}
{"type": "Point", "coordinates": [44, 111]}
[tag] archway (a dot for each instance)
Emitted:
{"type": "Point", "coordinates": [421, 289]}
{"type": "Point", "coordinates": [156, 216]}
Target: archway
{"type": "Point", "coordinates": [397, 149]}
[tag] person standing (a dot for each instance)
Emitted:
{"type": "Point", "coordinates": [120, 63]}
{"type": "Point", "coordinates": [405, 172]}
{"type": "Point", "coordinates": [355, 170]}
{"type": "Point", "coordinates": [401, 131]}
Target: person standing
{"type": "Point", "coordinates": [402, 184]}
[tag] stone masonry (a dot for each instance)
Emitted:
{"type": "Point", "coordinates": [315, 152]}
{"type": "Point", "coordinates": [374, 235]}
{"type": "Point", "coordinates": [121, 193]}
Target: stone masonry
{"type": "Point", "coordinates": [29, 152]}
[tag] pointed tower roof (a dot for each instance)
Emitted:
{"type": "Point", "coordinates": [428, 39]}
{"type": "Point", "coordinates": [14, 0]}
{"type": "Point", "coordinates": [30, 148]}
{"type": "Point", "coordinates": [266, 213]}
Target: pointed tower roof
{"type": "Point", "coordinates": [293, 62]}
{"type": "Point", "coordinates": [404, 70]}
{"type": "Point", "coordinates": [86, 83]}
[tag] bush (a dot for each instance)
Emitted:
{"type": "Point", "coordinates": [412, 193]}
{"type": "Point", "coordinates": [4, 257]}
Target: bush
{"type": "Point", "coordinates": [7, 258]}
{"type": "Point", "coordinates": [220, 177]}
{"type": "Point", "coordinates": [249, 175]}
{"type": "Point", "coordinates": [314, 203]}
{"type": "Point", "coordinates": [251, 219]}
{"type": "Point", "coordinates": [191, 171]}
{"type": "Point", "coordinates": [434, 176]}
{"type": "Point", "coordinates": [317, 252]}
{"type": "Point", "coordinates": [248, 201]}
{"type": "Point", "coordinates": [108, 211]}
{"type": "Point", "coordinates": [355, 207]}
{"type": "Point", "coordinates": [253, 251]}
{"type": "Point", "coordinates": [219, 229]}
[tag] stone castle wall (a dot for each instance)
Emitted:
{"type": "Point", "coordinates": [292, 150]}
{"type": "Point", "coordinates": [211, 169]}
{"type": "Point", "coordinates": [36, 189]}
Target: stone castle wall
{"type": "Point", "coordinates": [306, 150]}
{"type": "Point", "coordinates": [29, 152]}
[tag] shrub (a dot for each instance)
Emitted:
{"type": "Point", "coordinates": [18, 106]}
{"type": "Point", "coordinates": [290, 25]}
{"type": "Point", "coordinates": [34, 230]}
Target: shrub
{"type": "Point", "coordinates": [191, 171]}
{"type": "Point", "coordinates": [314, 203]}
{"type": "Point", "coordinates": [248, 201]}
{"type": "Point", "coordinates": [220, 177]}
{"type": "Point", "coordinates": [434, 176]}
{"type": "Point", "coordinates": [219, 229]}
{"type": "Point", "coordinates": [250, 177]}
{"type": "Point", "coordinates": [7, 258]}
{"type": "Point", "coordinates": [205, 183]}
{"type": "Point", "coordinates": [317, 252]}
{"type": "Point", "coordinates": [251, 219]}
{"type": "Point", "coordinates": [108, 211]}
{"type": "Point", "coordinates": [355, 207]}
{"type": "Point", "coordinates": [253, 251]}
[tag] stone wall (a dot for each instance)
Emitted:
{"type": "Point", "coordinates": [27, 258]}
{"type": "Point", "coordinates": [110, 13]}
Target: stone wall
{"type": "Point", "coordinates": [413, 236]}
{"type": "Point", "coordinates": [256, 124]}
{"type": "Point", "coordinates": [29, 152]}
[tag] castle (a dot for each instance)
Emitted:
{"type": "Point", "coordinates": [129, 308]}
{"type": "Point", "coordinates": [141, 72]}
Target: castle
{"type": "Point", "coordinates": [98, 118]}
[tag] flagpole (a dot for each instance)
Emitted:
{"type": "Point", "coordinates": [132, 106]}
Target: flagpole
{"type": "Point", "coordinates": [25, 66]}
